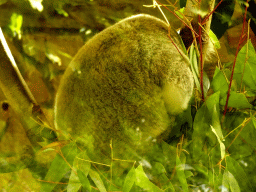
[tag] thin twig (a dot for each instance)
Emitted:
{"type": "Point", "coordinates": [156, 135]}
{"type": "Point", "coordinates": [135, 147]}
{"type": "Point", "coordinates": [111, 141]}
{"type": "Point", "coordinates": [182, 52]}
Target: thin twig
{"type": "Point", "coordinates": [179, 18]}
{"type": "Point", "coordinates": [201, 59]}
{"type": "Point", "coordinates": [246, 58]}
{"type": "Point", "coordinates": [206, 18]}
{"type": "Point", "coordinates": [234, 64]}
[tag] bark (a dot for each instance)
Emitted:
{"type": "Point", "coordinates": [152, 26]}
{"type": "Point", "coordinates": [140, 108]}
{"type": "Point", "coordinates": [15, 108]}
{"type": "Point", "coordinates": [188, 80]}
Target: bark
{"type": "Point", "coordinates": [20, 98]}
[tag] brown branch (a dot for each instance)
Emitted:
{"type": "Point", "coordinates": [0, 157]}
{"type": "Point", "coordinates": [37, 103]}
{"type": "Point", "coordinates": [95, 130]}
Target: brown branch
{"type": "Point", "coordinates": [234, 64]}
{"type": "Point", "coordinates": [12, 82]}
{"type": "Point", "coordinates": [201, 60]}
{"type": "Point", "coordinates": [199, 21]}
{"type": "Point", "coordinates": [179, 18]}
{"type": "Point", "coordinates": [206, 19]}
{"type": "Point", "coordinates": [20, 97]}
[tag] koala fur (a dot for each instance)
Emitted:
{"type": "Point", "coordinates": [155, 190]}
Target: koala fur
{"type": "Point", "coordinates": [124, 85]}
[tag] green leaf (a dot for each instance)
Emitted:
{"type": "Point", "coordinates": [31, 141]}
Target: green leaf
{"type": "Point", "coordinates": [159, 168]}
{"type": "Point", "coordinates": [58, 6]}
{"type": "Point", "coordinates": [212, 104]}
{"type": "Point", "coordinates": [97, 180]}
{"type": "Point", "coordinates": [143, 181]}
{"type": "Point", "coordinates": [245, 68]}
{"type": "Point", "coordinates": [81, 164]}
{"type": "Point", "coordinates": [16, 24]}
{"type": "Point", "coordinates": [129, 180]}
{"type": "Point", "coordinates": [194, 66]}
{"type": "Point", "coordinates": [249, 134]}
{"type": "Point", "coordinates": [222, 146]}
{"type": "Point", "coordinates": [181, 175]}
{"type": "Point", "coordinates": [204, 139]}
{"type": "Point", "coordinates": [230, 182]}
{"type": "Point", "coordinates": [59, 167]}
{"type": "Point", "coordinates": [237, 171]}
{"type": "Point", "coordinates": [237, 100]}
{"type": "Point", "coordinates": [253, 120]}
{"type": "Point", "coordinates": [188, 174]}
{"type": "Point", "coordinates": [84, 180]}
{"type": "Point", "coordinates": [169, 187]}
{"type": "Point", "coordinates": [61, 12]}
{"type": "Point", "coordinates": [201, 132]}
{"type": "Point", "coordinates": [214, 39]}
{"type": "Point", "coordinates": [74, 183]}
{"type": "Point", "coordinates": [220, 82]}
{"type": "Point", "coordinates": [159, 172]}
{"type": "Point", "coordinates": [242, 147]}
{"type": "Point", "coordinates": [179, 12]}
{"type": "Point", "coordinates": [206, 83]}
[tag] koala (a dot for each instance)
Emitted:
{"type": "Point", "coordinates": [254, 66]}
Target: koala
{"type": "Point", "coordinates": [124, 86]}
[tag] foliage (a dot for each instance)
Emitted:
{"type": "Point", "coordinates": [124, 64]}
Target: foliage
{"type": "Point", "coordinates": [206, 152]}
{"type": "Point", "coordinates": [16, 24]}
{"type": "Point", "coordinates": [220, 155]}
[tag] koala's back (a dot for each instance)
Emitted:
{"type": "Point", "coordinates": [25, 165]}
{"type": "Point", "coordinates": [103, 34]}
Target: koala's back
{"type": "Point", "coordinates": [124, 84]}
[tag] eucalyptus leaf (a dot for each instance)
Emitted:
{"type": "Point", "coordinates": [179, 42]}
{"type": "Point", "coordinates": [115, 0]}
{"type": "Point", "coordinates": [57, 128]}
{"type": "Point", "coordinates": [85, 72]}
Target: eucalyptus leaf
{"type": "Point", "coordinates": [97, 180]}
{"type": "Point", "coordinates": [206, 83]}
{"type": "Point", "coordinates": [59, 167]}
{"type": "Point", "coordinates": [80, 164]}
{"type": "Point", "coordinates": [212, 104]}
{"type": "Point", "coordinates": [181, 175]}
{"type": "Point", "coordinates": [129, 180]}
{"type": "Point", "coordinates": [159, 172]}
{"type": "Point", "coordinates": [214, 39]}
{"type": "Point", "coordinates": [84, 181]}
{"type": "Point", "coordinates": [222, 146]}
{"type": "Point", "coordinates": [74, 183]}
{"type": "Point", "coordinates": [194, 66]}
{"type": "Point", "coordinates": [16, 24]}
{"type": "Point", "coordinates": [201, 130]}
{"type": "Point", "coordinates": [249, 134]}
{"type": "Point", "coordinates": [188, 174]}
{"type": "Point", "coordinates": [220, 82]}
{"type": "Point", "coordinates": [234, 123]}
{"type": "Point", "coordinates": [143, 181]}
{"type": "Point", "coordinates": [230, 182]}
{"type": "Point", "coordinates": [179, 12]}
{"type": "Point", "coordinates": [237, 100]}
{"type": "Point", "coordinates": [238, 172]}
{"type": "Point", "coordinates": [159, 168]}
{"type": "Point", "coordinates": [253, 120]}
{"type": "Point", "coordinates": [245, 68]}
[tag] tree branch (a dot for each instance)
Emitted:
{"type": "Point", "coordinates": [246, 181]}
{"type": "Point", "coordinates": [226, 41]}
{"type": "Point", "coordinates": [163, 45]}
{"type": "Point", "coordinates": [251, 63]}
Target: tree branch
{"type": "Point", "coordinates": [200, 14]}
{"type": "Point", "coordinates": [20, 97]}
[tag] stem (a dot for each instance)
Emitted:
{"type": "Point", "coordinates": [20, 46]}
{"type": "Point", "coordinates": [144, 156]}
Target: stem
{"type": "Point", "coordinates": [234, 64]}
{"type": "Point", "coordinates": [12, 82]}
{"type": "Point", "coordinates": [201, 60]}
{"type": "Point", "coordinates": [20, 97]}
{"type": "Point", "coordinates": [184, 22]}
{"type": "Point", "coordinates": [201, 21]}
{"type": "Point", "coordinates": [209, 15]}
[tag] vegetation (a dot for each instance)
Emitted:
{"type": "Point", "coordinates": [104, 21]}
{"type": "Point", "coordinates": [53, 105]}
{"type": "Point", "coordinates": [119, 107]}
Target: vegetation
{"type": "Point", "coordinates": [212, 145]}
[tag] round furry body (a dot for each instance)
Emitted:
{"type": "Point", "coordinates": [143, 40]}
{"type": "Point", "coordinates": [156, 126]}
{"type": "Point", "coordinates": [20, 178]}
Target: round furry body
{"type": "Point", "coordinates": [124, 85]}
